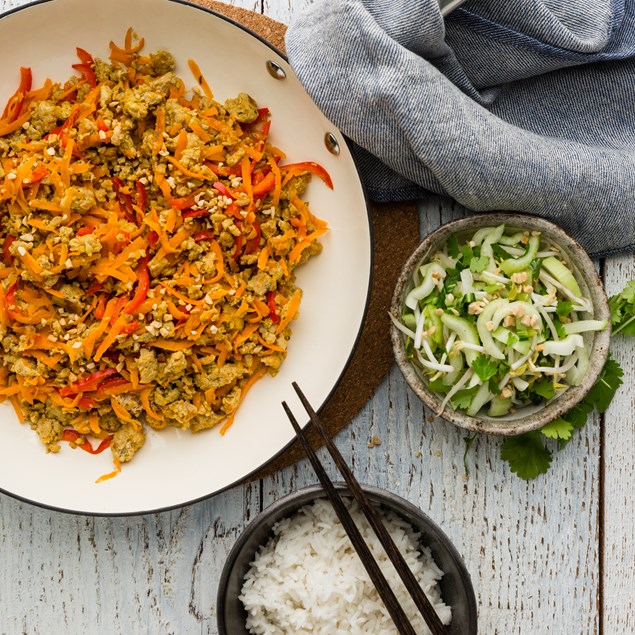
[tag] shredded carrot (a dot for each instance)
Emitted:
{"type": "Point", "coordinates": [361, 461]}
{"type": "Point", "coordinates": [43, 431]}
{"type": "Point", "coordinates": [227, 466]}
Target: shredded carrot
{"type": "Point", "coordinates": [116, 277]}
{"type": "Point", "coordinates": [198, 76]}
{"type": "Point", "coordinates": [250, 382]}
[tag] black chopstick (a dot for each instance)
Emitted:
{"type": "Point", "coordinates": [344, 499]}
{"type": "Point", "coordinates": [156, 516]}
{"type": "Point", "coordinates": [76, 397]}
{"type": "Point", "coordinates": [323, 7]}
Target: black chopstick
{"type": "Point", "coordinates": [414, 588]}
{"type": "Point", "coordinates": [377, 577]}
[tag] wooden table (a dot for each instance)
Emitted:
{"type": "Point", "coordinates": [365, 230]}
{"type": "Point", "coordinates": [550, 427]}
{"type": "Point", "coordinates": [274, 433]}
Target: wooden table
{"type": "Point", "coordinates": [554, 556]}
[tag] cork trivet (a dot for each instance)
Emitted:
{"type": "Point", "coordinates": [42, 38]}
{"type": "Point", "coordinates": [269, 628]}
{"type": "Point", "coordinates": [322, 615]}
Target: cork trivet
{"type": "Point", "coordinates": [396, 234]}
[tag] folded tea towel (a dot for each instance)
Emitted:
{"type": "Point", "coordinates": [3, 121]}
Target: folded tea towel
{"type": "Point", "coordinates": [522, 105]}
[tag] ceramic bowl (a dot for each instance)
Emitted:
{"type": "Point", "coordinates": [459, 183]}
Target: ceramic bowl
{"type": "Point", "coordinates": [529, 417]}
{"type": "Point", "coordinates": [455, 585]}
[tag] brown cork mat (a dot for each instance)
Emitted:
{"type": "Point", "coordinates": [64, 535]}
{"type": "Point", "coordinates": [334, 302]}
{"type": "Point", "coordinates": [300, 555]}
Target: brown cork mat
{"type": "Point", "coordinates": [396, 234]}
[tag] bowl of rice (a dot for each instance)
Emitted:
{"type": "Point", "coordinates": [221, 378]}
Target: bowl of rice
{"type": "Point", "coordinates": [294, 570]}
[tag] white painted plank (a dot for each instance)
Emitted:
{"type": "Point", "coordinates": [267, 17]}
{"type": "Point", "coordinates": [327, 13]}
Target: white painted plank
{"type": "Point", "coordinates": [619, 477]}
{"type": "Point", "coordinates": [531, 548]}
{"type": "Point", "coordinates": [151, 574]}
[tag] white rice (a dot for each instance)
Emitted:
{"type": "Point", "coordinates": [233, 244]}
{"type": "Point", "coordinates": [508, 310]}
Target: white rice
{"type": "Point", "coordinates": [309, 579]}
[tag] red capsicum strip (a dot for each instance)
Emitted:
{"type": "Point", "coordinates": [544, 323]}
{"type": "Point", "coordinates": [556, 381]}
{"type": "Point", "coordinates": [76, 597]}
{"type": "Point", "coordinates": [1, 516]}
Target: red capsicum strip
{"type": "Point", "coordinates": [87, 66]}
{"type": "Point", "coordinates": [253, 243]}
{"type": "Point", "coordinates": [100, 309]}
{"type": "Point", "coordinates": [88, 383]}
{"type": "Point", "coordinates": [205, 234]}
{"type": "Point", "coordinates": [142, 196]}
{"type": "Point", "coordinates": [266, 185]}
{"type": "Point", "coordinates": [10, 300]}
{"type": "Point", "coordinates": [194, 213]}
{"type": "Point", "coordinates": [6, 245]}
{"type": "Point", "coordinates": [308, 166]}
{"type": "Point", "coordinates": [121, 300]}
{"type": "Point", "coordinates": [71, 436]}
{"type": "Point", "coordinates": [87, 403]}
{"type": "Point", "coordinates": [183, 203]}
{"type": "Point", "coordinates": [143, 285]}
{"type": "Point", "coordinates": [222, 189]}
{"type": "Point", "coordinates": [109, 383]}
{"type": "Point", "coordinates": [17, 100]}
{"type": "Point", "coordinates": [273, 309]}
{"type": "Point", "coordinates": [84, 231]}
{"type": "Point", "coordinates": [125, 200]}
{"type": "Point", "coordinates": [94, 288]}
{"type": "Point", "coordinates": [153, 239]}
{"type": "Point", "coordinates": [37, 175]}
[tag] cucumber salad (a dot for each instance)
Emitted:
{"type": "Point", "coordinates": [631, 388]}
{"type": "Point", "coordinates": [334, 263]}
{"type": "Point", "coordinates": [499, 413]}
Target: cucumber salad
{"type": "Point", "coordinates": [496, 321]}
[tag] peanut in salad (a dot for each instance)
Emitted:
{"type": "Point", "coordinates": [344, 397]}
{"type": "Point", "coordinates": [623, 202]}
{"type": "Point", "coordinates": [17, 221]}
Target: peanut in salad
{"type": "Point", "coordinates": [150, 237]}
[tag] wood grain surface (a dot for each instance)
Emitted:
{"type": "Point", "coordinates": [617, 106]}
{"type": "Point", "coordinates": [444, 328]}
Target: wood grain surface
{"type": "Point", "coordinates": [554, 556]}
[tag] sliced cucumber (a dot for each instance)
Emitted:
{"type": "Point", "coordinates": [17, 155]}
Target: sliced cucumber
{"type": "Point", "coordinates": [432, 319]}
{"type": "Point", "coordinates": [487, 315]}
{"type": "Point", "coordinates": [433, 274]}
{"type": "Point", "coordinates": [513, 265]}
{"type": "Point", "coordinates": [465, 331]}
{"type": "Point", "coordinates": [576, 374]}
{"type": "Point", "coordinates": [499, 407]}
{"type": "Point", "coordinates": [584, 326]}
{"type": "Point", "coordinates": [482, 396]}
{"type": "Point", "coordinates": [408, 319]}
{"type": "Point", "coordinates": [457, 362]}
{"type": "Point", "coordinates": [562, 274]}
{"type": "Point", "coordinates": [565, 346]}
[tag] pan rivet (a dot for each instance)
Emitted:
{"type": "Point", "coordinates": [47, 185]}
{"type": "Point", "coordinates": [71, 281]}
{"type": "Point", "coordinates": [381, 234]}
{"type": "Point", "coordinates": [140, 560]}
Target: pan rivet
{"type": "Point", "coordinates": [331, 143]}
{"type": "Point", "coordinates": [275, 70]}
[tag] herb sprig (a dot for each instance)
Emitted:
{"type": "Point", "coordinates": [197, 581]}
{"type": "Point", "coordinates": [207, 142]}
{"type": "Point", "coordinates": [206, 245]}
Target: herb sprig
{"type": "Point", "coordinates": [530, 454]}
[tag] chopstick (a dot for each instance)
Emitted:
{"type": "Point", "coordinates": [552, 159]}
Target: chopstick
{"type": "Point", "coordinates": [381, 584]}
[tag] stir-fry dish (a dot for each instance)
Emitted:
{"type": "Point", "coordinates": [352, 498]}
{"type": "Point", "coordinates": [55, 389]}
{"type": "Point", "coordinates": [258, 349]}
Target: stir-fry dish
{"type": "Point", "coordinates": [496, 321]}
{"type": "Point", "coordinates": [149, 240]}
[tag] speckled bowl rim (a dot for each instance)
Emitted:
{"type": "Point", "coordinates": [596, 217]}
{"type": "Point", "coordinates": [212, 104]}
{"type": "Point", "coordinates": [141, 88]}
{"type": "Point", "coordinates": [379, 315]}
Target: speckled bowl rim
{"type": "Point", "coordinates": [289, 504]}
{"type": "Point", "coordinates": [590, 283]}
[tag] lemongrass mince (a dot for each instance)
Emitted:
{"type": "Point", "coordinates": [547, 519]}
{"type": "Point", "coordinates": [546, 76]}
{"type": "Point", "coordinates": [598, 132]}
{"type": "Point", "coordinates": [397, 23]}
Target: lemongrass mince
{"type": "Point", "coordinates": [496, 320]}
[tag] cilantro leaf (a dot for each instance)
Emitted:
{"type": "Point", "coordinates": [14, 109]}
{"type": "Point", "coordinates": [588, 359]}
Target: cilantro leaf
{"type": "Point", "coordinates": [558, 429]}
{"type": "Point", "coordinates": [484, 366]}
{"type": "Point", "coordinates": [534, 268]}
{"type": "Point", "coordinates": [469, 442]}
{"type": "Point", "coordinates": [438, 386]}
{"type": "Point", "coordinates": [579, 414]}
{"type": "Point", "coordinates": [467, 254]}
{"type": "Point", "coordinates": [463, 398]}
{"type": "Point", "coordinates": [526, 454]}
{"type": "Point", "coordinates": [479, 264]}
{"type": "Point", "coordinates": [563, 308]}
{"type": "Point", "coordinates": [623, 310]}
{"type": "Point", "coordinates": [560, 329]}
{"type": "Point", "coordinates": [603, 391]}
{"type": "Point", "coordinates": [453, 246]}
{"type": "Point", "coordinates": [544, 388]}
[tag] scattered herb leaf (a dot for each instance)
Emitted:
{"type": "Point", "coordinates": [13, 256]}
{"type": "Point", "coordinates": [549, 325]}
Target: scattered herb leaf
{"type": "Point", "coordinates": [438, 386]}
{"type": "Point", "coordinates": [469, 442]}
{"type": "Point", "coordinates": [558, 429]}
{"type": "Point", "coordinates": [484, 366]}
{"type": "Point", "coordinates": [544, 388]}
{"type": "Point", "coordinates": [453, 246]}
{"type": "Point", "coordinates": [479, 264]}
{"type": "Point", "coordinates": [564, 308]}
{"type": "Point", "coordinates": [603, 391]}
{"type": "Point", "coordinates": [623, 310]}
{"type": "Point", "coordinates": [463, 398]}
{"type": "Point", "coordinates": [535, 267]}
{"type": "Point", "coordinates": [527, 455]}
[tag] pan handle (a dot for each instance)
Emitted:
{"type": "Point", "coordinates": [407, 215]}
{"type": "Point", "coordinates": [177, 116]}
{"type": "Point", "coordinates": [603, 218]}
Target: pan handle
{"type": "Point", "coordinates": [449, 5]}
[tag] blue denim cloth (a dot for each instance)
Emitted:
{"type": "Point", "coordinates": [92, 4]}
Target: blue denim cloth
{"type": "Point", "coordinates": [517, 105]}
